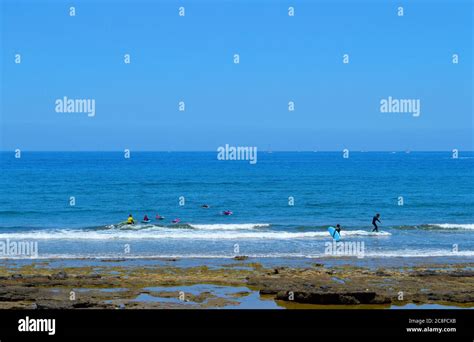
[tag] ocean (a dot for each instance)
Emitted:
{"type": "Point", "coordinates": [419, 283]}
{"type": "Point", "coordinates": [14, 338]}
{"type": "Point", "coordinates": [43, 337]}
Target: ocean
{"type": "Point", "coordinates": [282, 205]}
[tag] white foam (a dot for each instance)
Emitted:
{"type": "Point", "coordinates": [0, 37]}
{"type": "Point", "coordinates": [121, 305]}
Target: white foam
{"type": "Point", "coordinates": [467, 226]}
{"type": "Point", "coordinates": [364, 233]}
{"type": "Point", "coordinates": [388, 254]}
{"type": "Point", "coordinates": [237, 226]}
{"type": "Point", "coordinates": [419, 254]}
{"type": "Point", "coordinates": [176, 233]}
{"type": "Point", "coordinates": [182, 225]}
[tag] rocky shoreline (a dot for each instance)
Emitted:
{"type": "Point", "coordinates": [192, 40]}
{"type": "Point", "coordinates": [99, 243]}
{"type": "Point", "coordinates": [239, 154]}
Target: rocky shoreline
{"type": "Point", "coordinates": [112, 286]}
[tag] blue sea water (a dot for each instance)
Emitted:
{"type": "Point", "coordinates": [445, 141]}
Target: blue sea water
{"type": "Point", "coordinates": [436, 219]}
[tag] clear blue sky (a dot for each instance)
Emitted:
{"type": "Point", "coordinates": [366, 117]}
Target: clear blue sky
{"type": "Point", "coordinates": [282, 58]}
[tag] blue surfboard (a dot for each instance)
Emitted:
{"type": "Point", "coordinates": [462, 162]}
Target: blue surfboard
{"type": "Point", "coordinates": [335, 235]}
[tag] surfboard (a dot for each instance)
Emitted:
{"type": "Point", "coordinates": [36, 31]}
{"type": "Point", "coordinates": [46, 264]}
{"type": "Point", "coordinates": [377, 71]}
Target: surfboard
{"type": "Point", "coordinates": [335, 235]}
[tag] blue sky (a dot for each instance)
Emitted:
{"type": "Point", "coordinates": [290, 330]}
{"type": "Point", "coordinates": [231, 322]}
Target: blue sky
{"type": "Point", "coordinates": [282, 59]}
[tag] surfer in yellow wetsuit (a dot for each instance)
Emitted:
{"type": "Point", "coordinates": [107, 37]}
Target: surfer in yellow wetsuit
{"type": "Point", "coordinates": [130, 219]}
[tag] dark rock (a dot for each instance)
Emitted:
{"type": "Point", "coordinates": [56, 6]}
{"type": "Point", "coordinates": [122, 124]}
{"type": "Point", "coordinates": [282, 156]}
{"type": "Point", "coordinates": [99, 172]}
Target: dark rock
{"type": "Point", "coordinates": [344, 298]}
{"type": "Point", "coordinates": [381, 273]}
{"type": "Point", "coordinates": [348, 300]}
{"type": "Point", "coordinates": [52, 305]}
{"type": "Point", "coordinates": [462, 273]}
{"type": "Point", "coordinates": [268, 292]}
{"type": "Point", "coordinates": [58, 276]}
{"type": "Point", "coordinates": [424, 273]}
{"type": "Point", "coordinates": [381, 300]}
{"type": "Point", "coordinates": [15, 294]}
{"type": "Point", "coordinates": [94, 276]}
{"type": "Point", "coordinates": [241, 257]}
{"type": "Point", "coordinates": [80, 305]}
{"type": "Point", "coordinates": [277, 270]}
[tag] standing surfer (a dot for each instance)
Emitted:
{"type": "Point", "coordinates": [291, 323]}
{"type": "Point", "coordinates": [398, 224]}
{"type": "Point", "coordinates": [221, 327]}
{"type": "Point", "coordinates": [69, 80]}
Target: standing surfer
{"type": "Point", "coordinates": [375, 219]}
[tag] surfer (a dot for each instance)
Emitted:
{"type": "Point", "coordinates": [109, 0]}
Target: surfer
{"type": "Point", "coordinates": [375, 219]}
{"type": "Point", "coordinates": [205, 206]}
{"type": "Point", "coordinates": [146, 219]}
{"type": "Point", "coordinates": [130, 219]}
{"type": "Point", "coordinates": [338, 228]}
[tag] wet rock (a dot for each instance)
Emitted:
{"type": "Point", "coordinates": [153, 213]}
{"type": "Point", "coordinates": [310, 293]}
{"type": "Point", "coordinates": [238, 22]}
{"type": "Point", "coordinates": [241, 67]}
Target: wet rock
{"type": "Point", "coordinates": [81, 305]}
{"type": "Point", "coordinates": [424, 273]}
{"type": "Point", "coordinates": [94, 276]}
{"type": "Point", "coordinates": [381, 300]}
{"type": "Point", "coordinates": [268, 292]}
{"type": "Point", "coordinates": [59, 276]}
{"type": "Point", "coordinates": [278, 270]}
{"type": "Point", "coordinates": [16, 293]}
{"type": "Point", "coordinates": [348, 298]}
{"type": "Point", "coordinates": [241, 257]}
{"type": "Point", "coordinates": [462, 273]}
{"type": "Point", "coordinates": [308, 285]}
{"type": "Point", "coordinates": [48, 305]}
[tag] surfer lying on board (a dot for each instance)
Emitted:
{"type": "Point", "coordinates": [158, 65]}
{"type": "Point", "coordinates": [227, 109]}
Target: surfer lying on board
{"type": "Point", "coordinates": [375, 219]}
{"type": "Point", "coordinates": [130, 219]}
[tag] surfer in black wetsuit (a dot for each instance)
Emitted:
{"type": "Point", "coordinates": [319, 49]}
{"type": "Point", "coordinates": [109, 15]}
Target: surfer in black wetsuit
{"type": "Point", "coordinates": [375, 219]}
{"type": "Point", "coordinates": [338, 228]}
